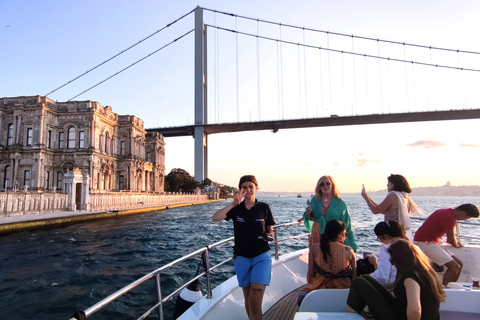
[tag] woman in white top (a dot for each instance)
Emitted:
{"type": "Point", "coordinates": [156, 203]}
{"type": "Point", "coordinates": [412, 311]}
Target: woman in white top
{"type": "Point", "coordinates": [397, 205]}
{"type": "Point", "coordinates": [387, 232]}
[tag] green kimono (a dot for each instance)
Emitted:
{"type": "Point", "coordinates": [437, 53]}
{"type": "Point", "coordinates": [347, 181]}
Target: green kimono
{"type": "Point", "coordinates": [336, 211]}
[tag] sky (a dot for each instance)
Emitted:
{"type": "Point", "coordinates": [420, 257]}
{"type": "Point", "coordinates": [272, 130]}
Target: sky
{"type": "Point", "coordinates": [46, 44]}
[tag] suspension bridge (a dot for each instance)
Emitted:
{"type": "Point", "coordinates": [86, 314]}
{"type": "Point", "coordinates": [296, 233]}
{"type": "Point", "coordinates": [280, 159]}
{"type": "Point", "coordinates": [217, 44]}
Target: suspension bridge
{"type": "Point", "coordinates": [252, 74]}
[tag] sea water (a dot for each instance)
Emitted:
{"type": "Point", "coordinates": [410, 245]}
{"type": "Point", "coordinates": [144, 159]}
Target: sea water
{"type": "Point", "coordinates": [50, 273]}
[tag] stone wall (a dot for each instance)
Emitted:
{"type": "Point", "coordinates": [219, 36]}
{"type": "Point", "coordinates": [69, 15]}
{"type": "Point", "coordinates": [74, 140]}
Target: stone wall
{"type": "Point", "coordinates": [130, 200]}
{"type": "Point", "coordinates": [14, 203]}
{"type": "Point", "coordinates": [31, 202]}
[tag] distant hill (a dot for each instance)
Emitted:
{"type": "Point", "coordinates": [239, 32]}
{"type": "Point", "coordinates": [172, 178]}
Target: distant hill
{"type": "Point", "coordinates": [454, 191]}
{"type": "Point", "coordinates": [443, 191]}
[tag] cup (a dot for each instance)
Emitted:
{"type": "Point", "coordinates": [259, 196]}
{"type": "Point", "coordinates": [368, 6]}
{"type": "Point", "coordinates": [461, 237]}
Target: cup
{"type": "Point", "coordinates": [475, 283]}
{"type": "Point", "coordinates": [367, 254]}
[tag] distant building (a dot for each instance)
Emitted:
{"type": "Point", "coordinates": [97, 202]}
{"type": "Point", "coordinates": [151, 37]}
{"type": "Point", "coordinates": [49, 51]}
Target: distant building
{"type": "Point", "coordinates": [41, 139]}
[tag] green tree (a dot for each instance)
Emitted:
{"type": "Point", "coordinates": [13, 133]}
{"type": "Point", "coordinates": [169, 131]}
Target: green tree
{"type": "Point", "coordinates": [179, 180]}
{"type": "Point", "coordinates": [206, 183]}
{"type": "Point", "coordinates": [226, 190]}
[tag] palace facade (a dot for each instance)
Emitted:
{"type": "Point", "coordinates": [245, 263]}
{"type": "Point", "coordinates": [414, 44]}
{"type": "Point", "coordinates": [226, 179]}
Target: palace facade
{"type": "Point", "coordinates": [40, 140]}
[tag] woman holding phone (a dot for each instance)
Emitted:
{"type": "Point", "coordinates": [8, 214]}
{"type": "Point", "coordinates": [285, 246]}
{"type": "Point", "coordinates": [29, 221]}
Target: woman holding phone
{"type": "Point", "coordinates": [253, 228]}
{"type": "Point", "coordinates": [397, 206]}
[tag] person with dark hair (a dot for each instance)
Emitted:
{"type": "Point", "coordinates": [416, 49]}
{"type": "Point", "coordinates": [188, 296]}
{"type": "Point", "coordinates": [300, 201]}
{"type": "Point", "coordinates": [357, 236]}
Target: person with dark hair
{"type": "Point", "coordinates": [253, 228]}
{"type": "Point", "coordinates": [331, 264]}
{"type": "Point", "coordinates": [327, 205]}
{"type": "Point", "coordinates": [397, 205]}
{"type": "Point", "coordinates": [417, 291]}
{"type": "Point", "coordinates": [387, 233]}
{"type": "Point", "coordinates": [442, 222]}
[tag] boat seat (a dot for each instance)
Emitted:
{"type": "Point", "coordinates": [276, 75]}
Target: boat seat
{"type": "Point", "coordinates": [331, 304]}
{"type": "Point", "coordinates": [336, 301]}
{"type": "Point", "coordinates": [327, 316]}
{"type": "Point", "coordinates": [460, 300]}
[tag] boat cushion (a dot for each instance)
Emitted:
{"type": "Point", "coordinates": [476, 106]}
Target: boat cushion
{"type": "Point", "coordinates": [327, 316]}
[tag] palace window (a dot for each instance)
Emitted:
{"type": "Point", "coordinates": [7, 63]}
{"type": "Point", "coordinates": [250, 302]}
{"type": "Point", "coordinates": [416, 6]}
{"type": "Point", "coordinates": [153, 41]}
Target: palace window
{"type": "Point", "coordinates": [107, 143]}
{"type": "Point", "coordinates": [81, 139]}
{"type": "Point", "coordinates": [47, 180]}
{"type": "Point", "coordinates": [26, 178]}
{"type": "Point", "coordinates": [71, 138]}
{"type": "Point", "coordinates": [102, 143]}
{"type": "Point", "coordinates": [29, 136]}
{"type": "Point", "coordinates": [121, 182]}
{"type": "Point", "coordinates": [49, 138]}
{"type": "Point", "coordinates": [6, 179]}
{"type": "Point", "coordinates": [61, 140]}
{"type": "Point", "coordinates": [60, 180]}
{"type": "Point", "coordinates": [122, 148]}
{"type": "Point", "coordinates": [10, 135]}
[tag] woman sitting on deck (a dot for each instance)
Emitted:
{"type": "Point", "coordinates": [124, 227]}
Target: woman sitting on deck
{"type": "Point", "coordinates": [331, 264]}
{"type": "Point", "coordinates": [417, 292]}
{"type": "Point", "coordinates": [387, 233]}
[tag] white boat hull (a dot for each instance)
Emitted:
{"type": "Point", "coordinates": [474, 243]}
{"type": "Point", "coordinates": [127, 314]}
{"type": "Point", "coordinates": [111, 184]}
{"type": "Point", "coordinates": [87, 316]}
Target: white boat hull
{"type": "Point", "coordinates": [289, 273]}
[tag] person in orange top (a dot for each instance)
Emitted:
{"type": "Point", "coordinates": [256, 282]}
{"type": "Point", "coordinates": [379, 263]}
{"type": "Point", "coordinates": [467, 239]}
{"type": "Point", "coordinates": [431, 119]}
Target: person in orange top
{"type": "Point", "coordinates": [331, 264]}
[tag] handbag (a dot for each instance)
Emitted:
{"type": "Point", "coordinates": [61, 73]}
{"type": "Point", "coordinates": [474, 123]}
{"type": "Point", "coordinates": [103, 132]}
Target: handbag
{"type": "Point", "coordinates": [364, 267]}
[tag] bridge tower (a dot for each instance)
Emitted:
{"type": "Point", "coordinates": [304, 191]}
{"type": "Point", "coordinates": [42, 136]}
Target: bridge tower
{"type": "Point", "coordinates": [201, 163]}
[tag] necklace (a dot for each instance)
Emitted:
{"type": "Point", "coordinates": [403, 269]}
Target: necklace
{"type": "Point", "coordinates": [325, 200]}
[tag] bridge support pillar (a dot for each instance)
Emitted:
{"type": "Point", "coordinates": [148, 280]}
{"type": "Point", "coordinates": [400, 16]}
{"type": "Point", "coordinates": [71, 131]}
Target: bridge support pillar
{"type": "Point", "coordinates": [201, 168]}
{"type": "Point", "coordinates": [201, 159]}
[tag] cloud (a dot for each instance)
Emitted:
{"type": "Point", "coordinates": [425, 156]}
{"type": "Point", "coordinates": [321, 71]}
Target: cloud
{"type": "Point", "coordinates": [469, 145]}
{"type": "Point", "coordinates": [364, 162]}
{"type": "Point", "coordinates": [426, 144]}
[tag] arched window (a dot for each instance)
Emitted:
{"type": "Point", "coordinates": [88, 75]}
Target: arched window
{"type": "Point", "coordinates": [6, 179]}
{"type": "Point", "coordinates": [71, 138]}
{"type": "Point", "coordinates": [10, 135]}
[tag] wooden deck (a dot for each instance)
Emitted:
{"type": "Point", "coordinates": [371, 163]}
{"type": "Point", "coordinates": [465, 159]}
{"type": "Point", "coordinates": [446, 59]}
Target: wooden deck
{"type": "Point", "coordinates": [285, 308]}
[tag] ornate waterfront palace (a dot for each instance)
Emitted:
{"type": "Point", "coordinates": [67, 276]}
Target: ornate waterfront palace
{"type": "Point", "coordinates": [40, 139]}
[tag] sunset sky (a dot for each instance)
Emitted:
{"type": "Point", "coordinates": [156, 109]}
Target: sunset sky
{"type": "Point", "coordinates": [48, 43]}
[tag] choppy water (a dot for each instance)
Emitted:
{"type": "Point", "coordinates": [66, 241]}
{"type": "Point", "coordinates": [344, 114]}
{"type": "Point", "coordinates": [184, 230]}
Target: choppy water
{"type": "Point", "coordinates": [49, 273]}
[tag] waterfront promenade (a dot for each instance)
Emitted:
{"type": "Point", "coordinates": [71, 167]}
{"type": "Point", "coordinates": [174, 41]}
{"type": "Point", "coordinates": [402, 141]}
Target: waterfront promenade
{"type": "Point", "coordinates": [30, 221]}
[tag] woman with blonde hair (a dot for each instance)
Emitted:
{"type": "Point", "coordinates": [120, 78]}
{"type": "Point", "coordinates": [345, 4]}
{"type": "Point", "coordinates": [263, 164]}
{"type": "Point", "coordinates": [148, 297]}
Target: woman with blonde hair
{"type": "Point", "coordinates": [417, 291]}
{"type": "Point", "coordinates": [325, 206]}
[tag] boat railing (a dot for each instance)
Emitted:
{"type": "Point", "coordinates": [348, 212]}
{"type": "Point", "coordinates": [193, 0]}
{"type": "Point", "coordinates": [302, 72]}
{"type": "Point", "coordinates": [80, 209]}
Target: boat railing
{"type": "Point", "coordinates": [458, 234]}
{"type": "Point", "coordinates": [156, 275]}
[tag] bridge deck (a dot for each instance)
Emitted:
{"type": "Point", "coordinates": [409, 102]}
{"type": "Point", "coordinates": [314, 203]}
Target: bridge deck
{"type": "Point", "coordinates": [275, 125]}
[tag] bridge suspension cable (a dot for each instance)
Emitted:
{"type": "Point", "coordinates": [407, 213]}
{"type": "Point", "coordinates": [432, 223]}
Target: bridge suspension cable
{"type": "Point", "coordinates": [136, 62]}
{"type": "Point", "coordinates": [345, 35]}
{"type": "Point", "coordinates": [120, 53]}
{"type": "Point", "coordinates": [349, 52]}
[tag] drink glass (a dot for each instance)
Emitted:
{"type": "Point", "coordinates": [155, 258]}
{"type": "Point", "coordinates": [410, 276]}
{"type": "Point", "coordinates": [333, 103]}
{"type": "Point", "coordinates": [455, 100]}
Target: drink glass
{"type": "Point", "coordinates": [475, 282]}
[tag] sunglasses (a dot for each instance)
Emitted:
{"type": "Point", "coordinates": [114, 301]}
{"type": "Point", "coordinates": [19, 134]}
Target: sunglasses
{"type": "Point", "coordinates": [323, 184]}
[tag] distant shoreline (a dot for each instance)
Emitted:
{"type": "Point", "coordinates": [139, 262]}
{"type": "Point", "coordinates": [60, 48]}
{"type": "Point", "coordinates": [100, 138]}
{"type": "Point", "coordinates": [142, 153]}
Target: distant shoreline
{"type": "Point", "coordinates": [454, 191]}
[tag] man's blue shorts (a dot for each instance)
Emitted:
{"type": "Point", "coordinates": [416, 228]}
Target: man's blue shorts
{"type": "Point", "coordinates": [257, 269]}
